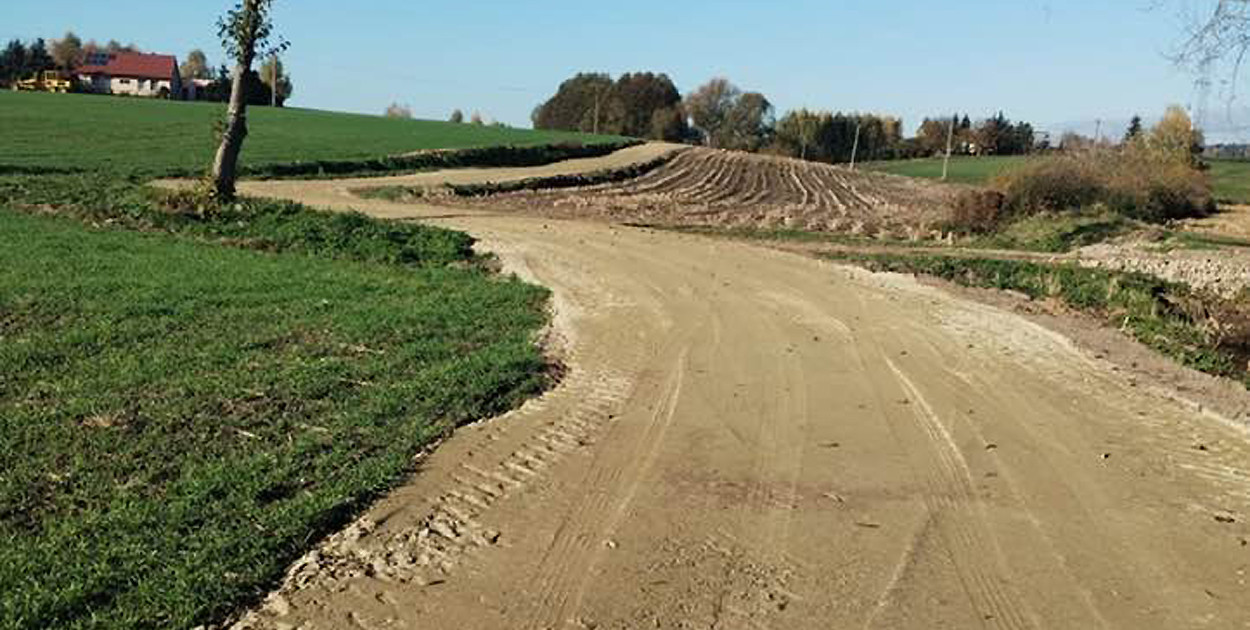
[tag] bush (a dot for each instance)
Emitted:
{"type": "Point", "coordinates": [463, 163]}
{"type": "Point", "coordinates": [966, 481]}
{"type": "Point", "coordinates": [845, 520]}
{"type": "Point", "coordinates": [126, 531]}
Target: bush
{"type": "Point", "coordinates": [1134, 181]}
{"type": "Point", "coordinates": [977, 212]}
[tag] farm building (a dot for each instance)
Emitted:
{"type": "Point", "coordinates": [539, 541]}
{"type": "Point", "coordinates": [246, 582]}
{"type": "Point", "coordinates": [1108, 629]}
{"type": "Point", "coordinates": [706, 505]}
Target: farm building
{"type": "Point", "coordinates": [133, 74]}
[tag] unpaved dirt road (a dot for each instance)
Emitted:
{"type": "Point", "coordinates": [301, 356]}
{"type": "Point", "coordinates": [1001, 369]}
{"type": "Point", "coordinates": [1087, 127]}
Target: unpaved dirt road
{"type": "Point", "coordinates": [749, 438]}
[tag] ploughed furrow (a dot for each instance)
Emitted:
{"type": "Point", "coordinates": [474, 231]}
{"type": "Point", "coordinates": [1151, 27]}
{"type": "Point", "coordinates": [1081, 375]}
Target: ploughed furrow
{"type": "Point", "coordinates": [729, 188]}
{"type": "Point", "coordinates": [759, 188]}
{"type": "Point", "coordinates": [708, 181]}
{"type": "Point", "coordinates": [708, 187]}
{"type": "Point", "coordinates": [661, 179]}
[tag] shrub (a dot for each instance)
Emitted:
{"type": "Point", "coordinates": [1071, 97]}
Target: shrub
{"type": "Point", "coordinates": [1134, 181]}
{"type": "Point", "coordinates": [1059, 182]}
{"type": "Point", "coordinates": [977, 212]}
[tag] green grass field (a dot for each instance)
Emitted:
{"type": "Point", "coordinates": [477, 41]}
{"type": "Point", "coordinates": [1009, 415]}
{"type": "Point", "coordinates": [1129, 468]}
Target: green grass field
{"type": "Point", "coordinates": [153, 137]}
{"type": "Point", "coordinates": [1231, 180]}
{"type": "Point", "coordinates": [187, 404]}
{"type": "Point", "coordinates": [963, 170]}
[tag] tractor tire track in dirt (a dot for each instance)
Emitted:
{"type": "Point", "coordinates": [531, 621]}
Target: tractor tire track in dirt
{"type": "Point", "coordinates": [749, 438]}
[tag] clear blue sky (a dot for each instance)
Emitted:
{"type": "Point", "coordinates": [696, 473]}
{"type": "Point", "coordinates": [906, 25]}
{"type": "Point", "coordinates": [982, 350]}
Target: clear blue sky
{"type": "Point", "coordinates": [1052, 62]}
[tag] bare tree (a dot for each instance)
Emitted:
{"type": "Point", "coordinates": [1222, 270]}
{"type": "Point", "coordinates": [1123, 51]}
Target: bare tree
{"type": "Point", "coordinates": [457, 117]}
{"type": "Point", "coordinates": [709, 107]}
{"type": "Point", "coordinates": [67, 51]}
{"type": "Point", "coordinates": [196, 66]}
{"type": "Point", "coordinates": [246, 31]}
{"type": "Point", "coordinates": [397, 110]}
{"type": "Point", "coordinates": [1221, 36]}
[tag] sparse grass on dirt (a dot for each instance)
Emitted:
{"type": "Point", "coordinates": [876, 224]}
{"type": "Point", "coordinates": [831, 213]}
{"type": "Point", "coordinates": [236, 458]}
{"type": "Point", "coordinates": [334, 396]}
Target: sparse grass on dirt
{"type": "Point", "coordinates": [49, 133]}
{"type": "Point", "coordinates": [1197, 329]}
{"type": "Point", "coordinates": [180, 417]}
{"type": "Point", "coordinates": [1175, 239]}
{"type": "Point", "coordinates": [1056, 232]}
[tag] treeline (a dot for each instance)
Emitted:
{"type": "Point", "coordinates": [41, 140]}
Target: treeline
{"type": "Point", "coordinates": [996, 135]}
{"type": "Point", "coordinates": [20, 60]}
{"type": "Point", "coordinates": [721, 115]}
{"type": "Point", "coordinates": [641, 105]}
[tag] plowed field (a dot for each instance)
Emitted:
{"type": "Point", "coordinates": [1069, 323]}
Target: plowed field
{"type": "Point", "coordinates": [732, 189]}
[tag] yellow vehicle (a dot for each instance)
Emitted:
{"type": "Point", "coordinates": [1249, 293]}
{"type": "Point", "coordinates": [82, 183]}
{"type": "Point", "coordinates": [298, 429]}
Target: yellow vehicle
{"type": "Point", "coordinates": [46, 81]}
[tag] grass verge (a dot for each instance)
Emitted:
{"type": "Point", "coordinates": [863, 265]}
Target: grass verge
{"type": "Point", "coordinates": [187, 404]}
{"type": "Point", "coordinates": [1056, 232]}
{"type": "Point", "coordinates": [1179, 322]}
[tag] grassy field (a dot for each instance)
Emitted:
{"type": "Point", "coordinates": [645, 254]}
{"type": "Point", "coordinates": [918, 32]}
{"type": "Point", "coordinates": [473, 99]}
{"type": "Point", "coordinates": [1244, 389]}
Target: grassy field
{"type": "Point", "coordinates": [1231, 180]}
{"type": "Point", "coordinates": [190, 402]}
{"type": "Point", "coordinates": [187, 404]}
{"type": "Point", "coordinates": [963, 170]}
{"type": "Point", "coordinates": [81, 132]}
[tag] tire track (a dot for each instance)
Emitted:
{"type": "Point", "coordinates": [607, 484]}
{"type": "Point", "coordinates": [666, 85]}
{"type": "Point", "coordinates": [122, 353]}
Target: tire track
{"type": "Point", "coordinates": [563, 573]}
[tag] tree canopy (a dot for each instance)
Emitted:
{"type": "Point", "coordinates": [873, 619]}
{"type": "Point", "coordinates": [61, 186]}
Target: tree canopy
{"type": "Point", "coordinates": [642, 104]}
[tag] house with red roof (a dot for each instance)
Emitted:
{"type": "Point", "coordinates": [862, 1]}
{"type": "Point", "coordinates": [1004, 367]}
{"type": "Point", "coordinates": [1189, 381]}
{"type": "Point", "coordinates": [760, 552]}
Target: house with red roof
{"type": "Point", "coordinates": [135, 74]}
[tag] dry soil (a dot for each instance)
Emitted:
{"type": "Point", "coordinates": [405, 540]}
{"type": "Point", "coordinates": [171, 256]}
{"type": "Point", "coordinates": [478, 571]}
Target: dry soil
{"type": "Point", "coordinates": [749, 438]}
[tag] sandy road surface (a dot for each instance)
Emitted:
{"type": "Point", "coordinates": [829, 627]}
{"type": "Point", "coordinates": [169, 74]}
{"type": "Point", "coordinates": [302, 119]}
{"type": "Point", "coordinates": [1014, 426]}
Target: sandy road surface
{"type": "Point", "coordinates": [754, 439]}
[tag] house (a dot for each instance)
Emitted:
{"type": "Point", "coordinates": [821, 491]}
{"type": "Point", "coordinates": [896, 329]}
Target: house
{"type": "Point", "coordinates": [134, 74]}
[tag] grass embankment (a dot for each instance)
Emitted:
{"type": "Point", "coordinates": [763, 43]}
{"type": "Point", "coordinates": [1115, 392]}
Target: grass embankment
{"type": "Point", "coordinates": [188, 404]}
{"type": "Point", "coordinates": [51, 133]}
{"type": "Point", "coordinates": [1198, 330]}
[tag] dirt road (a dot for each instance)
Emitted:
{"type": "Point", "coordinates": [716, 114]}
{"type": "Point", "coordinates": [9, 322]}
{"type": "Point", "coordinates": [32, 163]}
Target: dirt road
{"type": "Point", "coordinates": [753, 439]}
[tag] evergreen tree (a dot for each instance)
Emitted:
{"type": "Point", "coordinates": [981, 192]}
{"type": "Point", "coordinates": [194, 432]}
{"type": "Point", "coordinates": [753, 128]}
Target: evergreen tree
{"type": "Point", "coordinates": [37, 59]}
{"type": "Point", "coordinates": [12, 62]}
{"type": "Point", "coordinates": [1134, 129]}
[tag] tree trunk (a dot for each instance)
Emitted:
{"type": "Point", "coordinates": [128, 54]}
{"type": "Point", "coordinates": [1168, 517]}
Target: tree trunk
{"type": "Point", "coordinates": [225, 166]}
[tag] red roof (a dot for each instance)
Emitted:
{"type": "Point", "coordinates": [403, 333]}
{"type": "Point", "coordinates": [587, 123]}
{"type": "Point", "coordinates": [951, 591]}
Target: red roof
{"type": "Point", "coordinates": [131, 65]}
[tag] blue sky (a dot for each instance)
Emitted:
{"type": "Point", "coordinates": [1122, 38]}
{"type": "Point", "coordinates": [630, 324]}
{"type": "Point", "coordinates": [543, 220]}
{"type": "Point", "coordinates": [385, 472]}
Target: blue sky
{"type": "Point", "coordinates": [1054, 62]}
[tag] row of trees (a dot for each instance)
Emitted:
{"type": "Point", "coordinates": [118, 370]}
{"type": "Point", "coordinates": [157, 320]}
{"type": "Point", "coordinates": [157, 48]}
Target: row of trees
{"type": "Point", "coordinates": [259, 84]}
{"type": "Point", "coordinates": [719, 114]}
{"type": "Point", "coordinates": [19, 60]}
{"type": "Point", "coordinates": [643, 105]}
{"type": "Point", "coordinates": [69, 52]}
{"type": "Point", "coordinates": [838, 137]}
{"type": "Point", "coordinates": [996, 135]}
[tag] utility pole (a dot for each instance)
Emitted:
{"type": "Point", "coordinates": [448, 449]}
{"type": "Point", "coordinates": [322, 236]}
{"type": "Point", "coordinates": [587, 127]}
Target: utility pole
{"type": "Point", "coordinates": [598, 96]}
{"type": "Point", "coordinates": [855, 147]}
{"type": "Point", "coordinates": [273, 82]}
{"type": "Point", "coordinates": [950, 141]}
